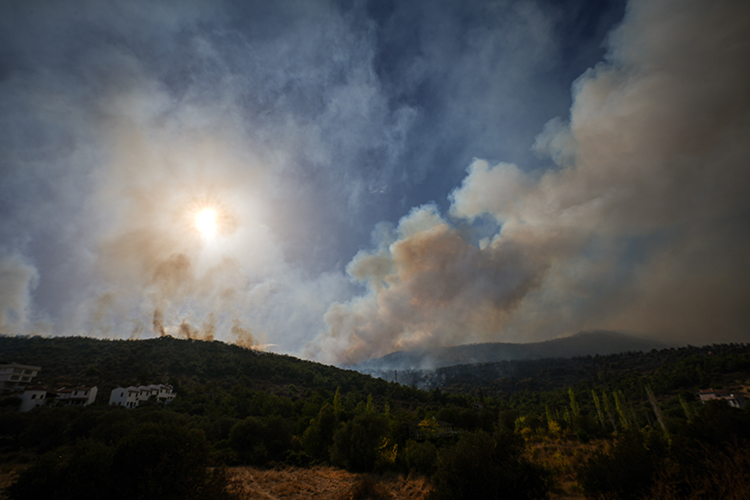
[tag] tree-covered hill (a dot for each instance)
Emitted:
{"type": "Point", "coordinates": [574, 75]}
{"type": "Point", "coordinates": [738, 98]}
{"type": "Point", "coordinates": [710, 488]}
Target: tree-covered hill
{"type": "Point", "coordinates": [483, 426]}
{"type": "Point", "coordinates": [664, 370]}
{"type": "Point", "coordinates": [67, 361]}
{"type": "Point", "coordinates": [585, 343]}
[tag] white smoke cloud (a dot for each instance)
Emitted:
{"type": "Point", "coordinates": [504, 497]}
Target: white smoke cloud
{"type": "Point", "coordinates": [305, 122]}
{"type": "Point", "coordinates": [427, 288]}
{"type": "Point", "coordinates": [157, 274]}
{"type": "Point", "coordinates": [642, 225]}
{"type": "Point", "coordinates": [18, 279]}
{"type": "Point", "coordinates": [109, 158]}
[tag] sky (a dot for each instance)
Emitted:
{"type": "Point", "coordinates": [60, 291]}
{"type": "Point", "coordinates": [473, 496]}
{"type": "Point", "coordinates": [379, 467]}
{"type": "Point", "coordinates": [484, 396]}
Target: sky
{"type": "Point", "coordinates": [376, 175]}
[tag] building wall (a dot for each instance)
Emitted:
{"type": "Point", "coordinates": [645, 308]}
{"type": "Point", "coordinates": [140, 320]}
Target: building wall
{"type": "Point", "coordinates": [14, 376]}
{"type": "Point", "coordinates": [131, 397]}
{"type": "Point", "coordinates": [30, 399]}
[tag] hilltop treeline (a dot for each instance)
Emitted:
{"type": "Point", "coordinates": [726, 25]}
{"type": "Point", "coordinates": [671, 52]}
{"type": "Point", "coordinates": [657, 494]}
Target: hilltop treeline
{"type": "Point", "coordinates": [233, 406]}
{"type": "Point", "coordinates": [476, 438]}
{"type": "Point", "coordinates": [664, 369]}
{"type": "Point", "coordinates": [188, 363]}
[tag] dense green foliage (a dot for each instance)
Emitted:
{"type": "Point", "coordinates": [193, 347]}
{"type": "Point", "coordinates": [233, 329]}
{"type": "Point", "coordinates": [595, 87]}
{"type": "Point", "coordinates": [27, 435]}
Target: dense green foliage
{"type": "Point", "coordinates": [237, 406]}
{"type": "Point", "coordinates": [483, 466]}
{"type": "Point", "coordinates": [191, 364]}
{"type": "Point", "coordinates": [665, 370]}
{"type": "Point", "coordinates": [644, 462]}
{"type": "Point", "coordinates": [153, 461]}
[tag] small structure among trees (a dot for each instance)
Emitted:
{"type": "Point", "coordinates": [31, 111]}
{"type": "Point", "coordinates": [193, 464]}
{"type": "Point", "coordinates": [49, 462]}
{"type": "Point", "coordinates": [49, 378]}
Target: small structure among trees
{"type": "Point", "coordinates": [131, 397]}
{"type": "Point", "coordinates": [735, 401]}
{"type": "Point", "coordinates": [32, 397]}
{"type": "Point", "coordinates": [15, 377]}
{"type": "Point", "coordinates": [78, 396]}
{"type": "Point", "coordinates": [37, 395]}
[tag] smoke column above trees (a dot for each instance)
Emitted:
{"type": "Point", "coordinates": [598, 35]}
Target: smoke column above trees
{"type": "Point", "coordinates": [643, 225]}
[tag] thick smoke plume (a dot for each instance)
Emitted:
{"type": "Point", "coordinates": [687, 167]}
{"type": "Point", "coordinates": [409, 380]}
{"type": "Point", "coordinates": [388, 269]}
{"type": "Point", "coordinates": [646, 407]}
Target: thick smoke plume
{"type": "Point", "coordinates": [18, 279]}
{"type": "Point", "coordinates": [642, 225]}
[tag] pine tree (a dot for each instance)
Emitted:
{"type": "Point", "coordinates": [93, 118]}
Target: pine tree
{"type": "Point", "coordinates": [686, 409]}
{"type": "Point", "coordinates": [598, 408]}
{"type": "Point", "coordinates": [608, 409]}
{"type": "Point", "coordinates": [657, 410]}
{"type": "Point", "coordinates": [337, 406]}
{"type": "Point", "coordinates": [573, 405]}
{"type": "Point", "coordinates": [619, 406]}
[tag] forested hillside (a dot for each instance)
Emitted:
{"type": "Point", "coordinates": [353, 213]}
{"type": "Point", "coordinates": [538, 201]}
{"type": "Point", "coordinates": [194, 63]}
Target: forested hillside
{"type": "Point", "coordinates": [189, 365]}
{"type": "Point", "coordinates": [586, 343]}
{"type": "Point", "coordinates": [686, 368]}
{"type": "Point", "coordinates": [620, 425]}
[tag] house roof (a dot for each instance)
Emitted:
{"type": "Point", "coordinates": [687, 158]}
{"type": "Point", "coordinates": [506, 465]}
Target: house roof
{"type": "Point", "coordinates": [35, 388]}
{"type": "Point", "coordinates": [17, 365]}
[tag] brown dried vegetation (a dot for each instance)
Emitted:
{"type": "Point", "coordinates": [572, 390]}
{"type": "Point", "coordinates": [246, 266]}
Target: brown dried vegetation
{"type": "Point", "coordinates": [323, 483]}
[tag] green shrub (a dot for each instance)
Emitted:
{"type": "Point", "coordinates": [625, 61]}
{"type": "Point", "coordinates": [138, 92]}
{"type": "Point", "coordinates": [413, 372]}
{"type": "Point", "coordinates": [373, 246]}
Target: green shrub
{"type": "Point", "coordinates": [627, 471]}
{"type": "Point", "coordinates": [257, 442]}
{"type": "Point", "coordinates": [367, 488]}
{"type": "Point", "coordinates": [357, 443]}
{"type": "Point", "coordinates": [420, 458]}
{"type": "Point", "coordinates": [487, 467]}
{"type": "Point", "coordinates": [155, 461]}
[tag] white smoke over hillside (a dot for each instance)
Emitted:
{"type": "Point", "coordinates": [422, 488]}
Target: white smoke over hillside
{"type": "Point", "coordinates": [299, 126]}
{"type": "Point", "coordinates": [643, 225]}
{"type": "Point", "coordinates": [18, 278]}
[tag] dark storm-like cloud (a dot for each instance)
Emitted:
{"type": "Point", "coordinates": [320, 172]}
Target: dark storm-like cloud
{"type": "Point", "coordinates": [641, 225]}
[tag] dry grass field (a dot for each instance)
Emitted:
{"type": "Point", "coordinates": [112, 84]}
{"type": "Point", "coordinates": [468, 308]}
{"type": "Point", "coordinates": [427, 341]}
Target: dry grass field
{"type": "Point", "coordinates": [323, 483]}
{"type": "Point", "coordinates": [562, 458]}
{"type": "Point", "coordinates": [8, 474]}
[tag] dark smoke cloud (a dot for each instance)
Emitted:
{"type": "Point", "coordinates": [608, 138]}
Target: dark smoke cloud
{"type": "Point", "coordinates": [641, 226]}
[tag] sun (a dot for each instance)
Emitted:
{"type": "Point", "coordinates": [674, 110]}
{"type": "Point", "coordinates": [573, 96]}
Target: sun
{"type": "Point", "coordinates": [205, 221]}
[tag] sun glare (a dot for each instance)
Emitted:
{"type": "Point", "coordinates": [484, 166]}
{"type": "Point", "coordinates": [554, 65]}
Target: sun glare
{"type": "Point", "coordinates": [205, 221]}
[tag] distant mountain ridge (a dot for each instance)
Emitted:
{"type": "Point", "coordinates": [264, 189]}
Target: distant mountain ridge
{"type": "Point", "coordinates": [586, 343]}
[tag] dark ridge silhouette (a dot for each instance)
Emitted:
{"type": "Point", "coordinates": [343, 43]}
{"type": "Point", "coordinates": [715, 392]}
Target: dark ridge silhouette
{"type": "Point", "coordinates": [587, 343]}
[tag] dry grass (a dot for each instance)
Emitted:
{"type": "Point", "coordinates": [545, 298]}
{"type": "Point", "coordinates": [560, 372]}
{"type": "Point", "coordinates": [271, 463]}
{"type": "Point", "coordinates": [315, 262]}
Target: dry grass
{"type": "Point", "coordinates": [323, 483]}
{"type": "Point", "coordinates": [725, 476]}
{"type": "Point", "coordinates": [8, 474]}
{"type": "Point", "coordinates": [562, 458]}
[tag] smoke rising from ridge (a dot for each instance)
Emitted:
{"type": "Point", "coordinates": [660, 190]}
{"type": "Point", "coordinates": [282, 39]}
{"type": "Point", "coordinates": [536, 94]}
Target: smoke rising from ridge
{"type": "Point", "coordinates": [643, 225]}
{"type": "Point", "coordinates": [18, 278]}
{"type": "Point", "coordinates": [302, 125]}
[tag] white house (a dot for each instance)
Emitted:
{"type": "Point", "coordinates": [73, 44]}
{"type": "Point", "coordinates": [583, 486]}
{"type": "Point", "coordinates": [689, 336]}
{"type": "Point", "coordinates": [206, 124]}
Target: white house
{"type": "Point", "coordinates": [32, 397]}
{"type": "Point", "coordinates": [15, 377]}
{"type": "Point", "coordinates": [78, 396]}
{"type": "Point", "coordinates": [736, 401]}
{"type": "Point", "coordinates": [131, 397]}
{"type": "Point", "coordinates": [163, 393]}
{"type": "Point", "coordinates": [124, 396]}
